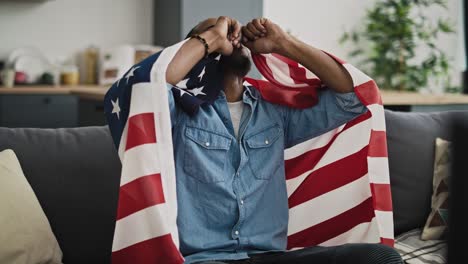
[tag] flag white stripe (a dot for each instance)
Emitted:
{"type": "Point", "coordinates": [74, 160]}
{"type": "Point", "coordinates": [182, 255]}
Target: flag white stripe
{"type": "Point", "coordinates": [358, 76]}
{"type": "Point", "coordinates": [367, 232]}
{"type": "Point", "coordinates": [280, 72]}
{"type": "Point", "coordinates": [378, 124]}
{"type": "Point", "coordinates": [123, 142]}
{"type": "Point", "coordinates": [140, 161]}
{"type": "Point", "coordinates": [140, 226]}
{"type": "Point", "coordinates": [314, 143]}
{"type": "Point", "coordinates": [348, 142]}
{"type": "Point", "coordinates": [309, 74]}
{"type": "Point", "coordinates": [378, 170]}
{"type": "Point", "coordinates": [385, 220]}
{"type": "Point", "coordinates": [142, 93]}
{"type": "Point", "coordinates": [164, 135]}
{"type": "Point", "coordinates": [328, 205]}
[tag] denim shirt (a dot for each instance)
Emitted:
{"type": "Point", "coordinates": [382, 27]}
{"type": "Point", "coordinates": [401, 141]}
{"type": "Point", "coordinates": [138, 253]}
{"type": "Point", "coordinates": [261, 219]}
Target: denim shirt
{"type": "Point", "coordinates": [231, 193]}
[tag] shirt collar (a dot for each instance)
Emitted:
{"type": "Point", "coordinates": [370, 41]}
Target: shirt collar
{"type": "Point", "coordinates": [248, 94]}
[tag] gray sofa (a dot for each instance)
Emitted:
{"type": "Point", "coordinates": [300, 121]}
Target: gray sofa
{"type": "Point", "coordinates": [75, 175]}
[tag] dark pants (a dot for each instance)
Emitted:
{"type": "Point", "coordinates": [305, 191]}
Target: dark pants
{"type": "Point", "coordinates": [346, 254]}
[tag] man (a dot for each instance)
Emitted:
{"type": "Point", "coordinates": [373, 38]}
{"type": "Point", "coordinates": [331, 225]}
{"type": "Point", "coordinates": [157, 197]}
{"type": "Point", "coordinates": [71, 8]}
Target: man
{"type": "Point", "coordinates": [230, 176]}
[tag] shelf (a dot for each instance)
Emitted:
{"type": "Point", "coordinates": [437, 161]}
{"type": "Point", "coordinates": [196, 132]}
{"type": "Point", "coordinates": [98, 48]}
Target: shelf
{"type": "Point", "coordinates": [96, 92]}
{"type": "Point", "coordinates": [413, 98]}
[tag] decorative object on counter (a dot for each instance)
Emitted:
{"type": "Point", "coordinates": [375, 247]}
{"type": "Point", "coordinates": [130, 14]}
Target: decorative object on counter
{"type": "Point", "coordinates": [48, 78]}
{"type": "Point", "coordinates": [29, 61]}
{"type": "Point", "coordinates": [90, 64]}
{"type": "Point", "coordinates": [20, 78]}
{"type": "Point", "coordinates": [2, 66]}
{"type": "Point", "coordinates": [8, 77]}
{"type": "Point", "coordinates": [69, 74]}
{"type": "Point", "coordinates": [392, 32]}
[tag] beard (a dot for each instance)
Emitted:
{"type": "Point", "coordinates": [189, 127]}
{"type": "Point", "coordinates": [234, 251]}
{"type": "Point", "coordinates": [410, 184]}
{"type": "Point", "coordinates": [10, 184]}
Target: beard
{"type": "Point", "coordinates": [238, 63]}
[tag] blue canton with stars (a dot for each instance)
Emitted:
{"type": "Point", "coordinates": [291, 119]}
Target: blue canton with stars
{"type": "Point", "coordinates": [201, 86]}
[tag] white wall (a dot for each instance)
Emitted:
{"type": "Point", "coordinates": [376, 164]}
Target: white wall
{"type": "Point", "coordinates": [322, 22]}
{"type": "Point", "coordinates": [60, 28]}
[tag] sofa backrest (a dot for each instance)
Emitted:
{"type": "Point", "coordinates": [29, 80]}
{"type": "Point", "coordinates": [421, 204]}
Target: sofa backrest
{"type": "Point", "coordinates": [75, 174]}
{"type": "Point", "coordinates": [411, 143]}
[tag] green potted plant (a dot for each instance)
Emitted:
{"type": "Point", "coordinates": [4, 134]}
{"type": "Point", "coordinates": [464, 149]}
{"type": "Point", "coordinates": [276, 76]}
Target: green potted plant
{"type": "Point", "coordinates": [386, 45]}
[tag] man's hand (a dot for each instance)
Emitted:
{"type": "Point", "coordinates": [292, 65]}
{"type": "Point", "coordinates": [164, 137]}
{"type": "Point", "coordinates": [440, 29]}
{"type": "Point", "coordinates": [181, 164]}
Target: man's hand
{"type": "Point", "coordinates": [228, 33]}
{"type": "Point", "coordinates": [263, 36]}
{"type": "Point", "coordinates": [221, 36]}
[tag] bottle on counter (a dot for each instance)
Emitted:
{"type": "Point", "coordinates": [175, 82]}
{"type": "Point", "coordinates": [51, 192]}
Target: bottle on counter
{"type": "Point", "coordinates": [90, 61]}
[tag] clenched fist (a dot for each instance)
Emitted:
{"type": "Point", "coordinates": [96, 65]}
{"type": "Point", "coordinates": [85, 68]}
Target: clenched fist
{"type": "Point", "coordinates": [263, 36]}
{"type": "Point", "coordinates": [228, 30]}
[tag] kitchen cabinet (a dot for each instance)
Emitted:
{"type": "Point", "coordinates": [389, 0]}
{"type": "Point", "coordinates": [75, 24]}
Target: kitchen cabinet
{"type": "Point", "coordinates": [42, 111]}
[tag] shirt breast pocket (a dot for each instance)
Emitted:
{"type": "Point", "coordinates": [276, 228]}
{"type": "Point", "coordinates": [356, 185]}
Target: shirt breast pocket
{"type": "Point", "coordinates": [205, 155]}
{"type": "Point", "coordinates": [265, 152]}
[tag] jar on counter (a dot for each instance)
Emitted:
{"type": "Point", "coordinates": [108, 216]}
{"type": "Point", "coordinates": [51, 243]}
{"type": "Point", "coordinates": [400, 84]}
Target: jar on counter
{"type": "Point", "coordinates": [69, 75]}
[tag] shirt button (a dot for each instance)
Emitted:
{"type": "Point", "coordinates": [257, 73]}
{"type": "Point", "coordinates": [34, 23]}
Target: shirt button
{"type": "Point", "coordinates": [236, 232]}
{"type": "Point", "coordinates": [242, 201]}
{"type": "Point", "coordinates": [267, 142]}
{"type": "Point", "coordinates": [207, 144]}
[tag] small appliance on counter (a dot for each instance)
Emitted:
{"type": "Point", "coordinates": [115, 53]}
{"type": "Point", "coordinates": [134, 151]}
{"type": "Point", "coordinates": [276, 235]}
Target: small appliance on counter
{"type": "Point", "coordinates": [114, 62]}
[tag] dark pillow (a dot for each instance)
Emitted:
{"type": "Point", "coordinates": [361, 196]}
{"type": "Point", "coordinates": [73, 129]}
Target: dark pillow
{"type": "Point", "coordinates": [411, 138]}
{"type": "Point", "coordinates": [75, 174]}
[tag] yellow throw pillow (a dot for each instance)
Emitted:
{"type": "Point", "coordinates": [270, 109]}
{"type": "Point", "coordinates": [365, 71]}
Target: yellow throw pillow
{"type": "Point", "coordinates": [437, 222]}
{"type": "Point", "coordinates": [25, 233]}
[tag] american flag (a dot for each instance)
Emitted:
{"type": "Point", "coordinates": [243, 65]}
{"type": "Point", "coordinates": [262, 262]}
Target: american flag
{"type": "Point", "coordinates": [338, 183]}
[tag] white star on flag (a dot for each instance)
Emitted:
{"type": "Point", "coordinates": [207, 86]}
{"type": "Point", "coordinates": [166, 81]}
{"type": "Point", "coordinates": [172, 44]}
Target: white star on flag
{"type": "Point", "coordinates": [202, 74]}
{"type": "Point", "coordinates": [182, 84]}
{"type": "Point", "coordinates": [182, 92]}
{"type": "Point", "coordinates": [116, 108]}
{"type": "Point", "coordinates": [131, 73]}
{"type": "Point", "coordinates": [197, 91]}
{"type": "Point", "coordinates": [219, 57]}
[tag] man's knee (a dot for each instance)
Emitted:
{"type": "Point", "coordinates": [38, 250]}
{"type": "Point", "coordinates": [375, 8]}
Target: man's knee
{"type": "Point", "coordinates": [367, 254]}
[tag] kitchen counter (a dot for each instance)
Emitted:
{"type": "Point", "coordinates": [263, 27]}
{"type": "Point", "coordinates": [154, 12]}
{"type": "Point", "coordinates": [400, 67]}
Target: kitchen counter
{"type": "Point", "coordinates": [95, 92]}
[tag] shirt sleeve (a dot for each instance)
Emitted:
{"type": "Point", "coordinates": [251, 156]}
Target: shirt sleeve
{"type": "Point", "coordinates": [332, 110]}
{"type": "Point", "coordinates": [174, 111]}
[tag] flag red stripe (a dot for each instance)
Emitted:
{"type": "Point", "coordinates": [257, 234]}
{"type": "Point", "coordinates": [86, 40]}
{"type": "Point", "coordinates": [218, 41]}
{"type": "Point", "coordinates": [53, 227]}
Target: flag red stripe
{"type": "Point", "coordinates": [387, 241]}
{"type": "Point", "coordinates": [297, 74]}
{"type": "Point", "coordinates": [298, 165]}
{"type": "Point", "coordinates": [378, 144]}
{"type": "Point", "coordinates": [159, 250]}
{"type": "Point", "coordinates": [141, 130]}
{"type": "Point", "coordinates": [382, 197]}
{"type": "Point", "coordinates": [292, 97]}
{"type": "Point", "coordinates": [368, 93]}
{"type": "Point", "coordinates": [333, 227]}
{"type": "Point", "coordinates": [330, 177]}
{"type": "Point", "coordinates": [139, 194]}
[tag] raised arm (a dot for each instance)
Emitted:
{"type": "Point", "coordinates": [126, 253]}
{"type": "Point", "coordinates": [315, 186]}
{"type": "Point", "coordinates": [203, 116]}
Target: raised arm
{"type": "Point", "coordinates": [263, 36]}
{"type": "Point", "coordinates": [221, 35]}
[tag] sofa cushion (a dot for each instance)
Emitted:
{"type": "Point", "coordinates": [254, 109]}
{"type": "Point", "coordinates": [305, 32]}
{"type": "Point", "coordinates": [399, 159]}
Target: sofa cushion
{"type": "Point", "coordinates": [436, 224]}
{"type": "Point", "coordinates": [410, 139]}
{"type": "Point", "coordinates": [26, 234]}
{"type": "Point", "coordinates": [75, 174]}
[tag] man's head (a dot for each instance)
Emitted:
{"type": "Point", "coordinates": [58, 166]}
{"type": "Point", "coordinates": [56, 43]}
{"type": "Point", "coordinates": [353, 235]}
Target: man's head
{"type": "Point", "coordinates": [237, 63]}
